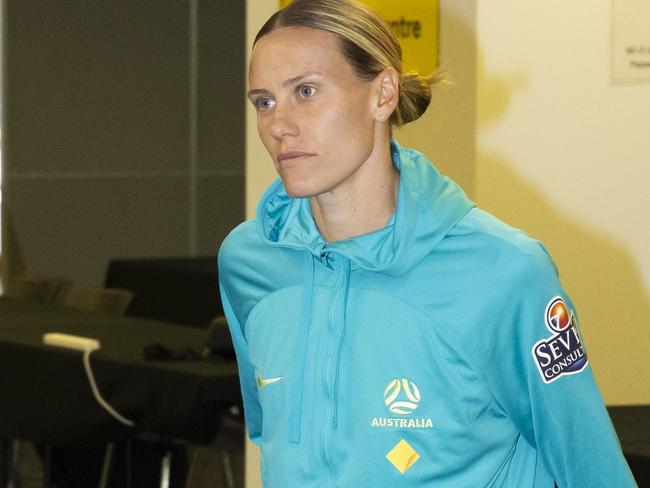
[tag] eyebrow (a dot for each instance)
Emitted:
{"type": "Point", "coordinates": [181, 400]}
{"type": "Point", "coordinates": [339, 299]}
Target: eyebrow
{"type": "Point", "coordinates": [289, 82]}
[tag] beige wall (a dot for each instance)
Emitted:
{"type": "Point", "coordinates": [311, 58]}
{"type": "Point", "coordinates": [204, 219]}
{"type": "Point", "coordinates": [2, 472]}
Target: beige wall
{"type": "Point", "coordinates": [446, 132]}
{"type": "Point", "coordinates": [259, 167]}
{"type": "Point", "coordinates": [564, 154]}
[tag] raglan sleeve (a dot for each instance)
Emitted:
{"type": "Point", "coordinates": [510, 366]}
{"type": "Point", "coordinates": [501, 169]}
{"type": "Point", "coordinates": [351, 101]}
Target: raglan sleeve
{"type": "Point", "coordinates": [252, 407]}
{"type": "Point", "coordinates": [541, 378]}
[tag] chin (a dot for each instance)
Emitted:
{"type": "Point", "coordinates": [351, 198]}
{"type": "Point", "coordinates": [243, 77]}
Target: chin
{"type": "Point", "coordinates": [294, 192]}
{"type": "Point", "coordinates": [299, 189]}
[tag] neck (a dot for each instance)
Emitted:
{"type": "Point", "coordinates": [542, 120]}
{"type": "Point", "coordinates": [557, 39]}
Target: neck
{"type": "Point", "coordinates": [364, 204]}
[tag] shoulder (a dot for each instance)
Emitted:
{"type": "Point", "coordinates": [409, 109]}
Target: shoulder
{"type": "Point", "coordinates": [506, 283]}
{"type": "Point", "coordinates": [239, 239]}
{"type": "Point", "coordinates": [244, 233]}
{"type": "Point", "coordinates": [509, 256]}
{"type": "Point", "coordinates": [243, 244]}
{"type": "Point", "coordinates": [502, 280]}
{"type": "Point", "coordinates": [246, 251]}
{"type": "Point", "coordinates": [239, 252]}
{"type": "Point", "coordinates": [251, 267]}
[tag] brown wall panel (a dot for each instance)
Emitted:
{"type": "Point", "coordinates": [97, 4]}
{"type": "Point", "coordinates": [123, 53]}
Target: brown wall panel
{"type": "Point", "coordinates": [96, 133]}
{"type": "Point", "coordinates": [72, 227]}
{"type": "Point", "coordinates": [96, 86]}
{"type": "Point", "coordinates": [221, 86]}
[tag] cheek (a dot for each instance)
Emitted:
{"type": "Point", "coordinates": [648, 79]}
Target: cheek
{"type": "Point", "coordinates": [263, 132]}
{"type": "Point", "coordinates": [340, 127]}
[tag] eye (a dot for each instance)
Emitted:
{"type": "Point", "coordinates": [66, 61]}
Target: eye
{"type": "Point", "coordinates": [263, 104]}
{"type": "Point", "coordinates": [306, 91]}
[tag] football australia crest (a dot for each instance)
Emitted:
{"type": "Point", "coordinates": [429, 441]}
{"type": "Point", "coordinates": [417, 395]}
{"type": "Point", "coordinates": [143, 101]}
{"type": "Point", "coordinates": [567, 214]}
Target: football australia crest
{"type": "Point", "coordinates": [562, 353]}
{"type": "Point", "coordinates": [402, 397]}
{"type": "Point", "coordinates": [409, 393]}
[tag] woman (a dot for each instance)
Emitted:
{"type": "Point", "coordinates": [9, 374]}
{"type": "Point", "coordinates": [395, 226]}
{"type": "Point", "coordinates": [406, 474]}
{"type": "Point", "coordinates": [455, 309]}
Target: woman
{"type": "Point", "coordinates": [389, 333]}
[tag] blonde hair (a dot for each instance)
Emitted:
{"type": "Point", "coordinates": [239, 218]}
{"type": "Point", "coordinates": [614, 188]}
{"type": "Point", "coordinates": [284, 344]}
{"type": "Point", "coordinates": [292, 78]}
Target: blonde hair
{"type": "Point", "coordinates": [366, 41]}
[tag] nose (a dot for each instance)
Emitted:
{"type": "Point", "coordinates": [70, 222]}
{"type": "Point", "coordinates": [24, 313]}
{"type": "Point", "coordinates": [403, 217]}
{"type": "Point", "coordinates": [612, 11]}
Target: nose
{"type": "Point", "coordinates": [282, 125]}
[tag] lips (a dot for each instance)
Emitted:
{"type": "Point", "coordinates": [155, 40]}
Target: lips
{"type": "Point", "coordinates": [293, 156]}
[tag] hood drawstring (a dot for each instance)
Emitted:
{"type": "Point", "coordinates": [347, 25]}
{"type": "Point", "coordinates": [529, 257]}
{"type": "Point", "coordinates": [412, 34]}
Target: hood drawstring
{"type": "Point", "coordinates": [344, 323]}
{"type": "Point", "coordinates": [305, 322]}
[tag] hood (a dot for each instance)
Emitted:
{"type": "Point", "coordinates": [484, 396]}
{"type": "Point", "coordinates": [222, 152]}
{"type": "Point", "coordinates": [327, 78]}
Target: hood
{"type": "Point", "coordinates": [428, 206]}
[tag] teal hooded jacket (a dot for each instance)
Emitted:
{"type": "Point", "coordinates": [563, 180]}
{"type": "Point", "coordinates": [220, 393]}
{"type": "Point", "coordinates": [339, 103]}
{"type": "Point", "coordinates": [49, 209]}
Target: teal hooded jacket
{"type": "Point", "coordinates": [439, 351]}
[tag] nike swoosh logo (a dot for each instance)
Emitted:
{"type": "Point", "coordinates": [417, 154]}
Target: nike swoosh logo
{"type": "Point", "coordinates": [265, 382]}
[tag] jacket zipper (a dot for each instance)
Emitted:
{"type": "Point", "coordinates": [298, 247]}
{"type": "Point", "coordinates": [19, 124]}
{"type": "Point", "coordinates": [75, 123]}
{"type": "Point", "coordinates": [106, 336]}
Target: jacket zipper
{"type": "Point", "coordinates": [328, 417]}
{"type": "Point", "coordinates": [345, 273]}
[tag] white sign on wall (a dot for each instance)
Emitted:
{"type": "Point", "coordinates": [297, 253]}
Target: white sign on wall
{"type": "Point", "coordinates": [630, 40]}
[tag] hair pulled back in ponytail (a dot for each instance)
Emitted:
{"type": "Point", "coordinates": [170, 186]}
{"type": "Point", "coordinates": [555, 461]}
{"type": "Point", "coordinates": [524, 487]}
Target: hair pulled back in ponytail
{"type": "Point", "coordinates": [414, 96]}
{"type": "Point", "coordinates": [366, 41]}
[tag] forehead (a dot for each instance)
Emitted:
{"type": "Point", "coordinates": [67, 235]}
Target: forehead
{"type": "Point", "coordinates": [288, 52]}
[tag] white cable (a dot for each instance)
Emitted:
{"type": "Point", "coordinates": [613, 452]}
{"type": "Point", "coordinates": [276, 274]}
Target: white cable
{"type": "Point", "coordinates": [98, 395]}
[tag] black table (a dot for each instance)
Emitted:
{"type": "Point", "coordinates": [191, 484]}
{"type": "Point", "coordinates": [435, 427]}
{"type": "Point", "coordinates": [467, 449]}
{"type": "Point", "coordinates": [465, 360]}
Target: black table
{"type": "Point", "coordinates": [45, 394]}
{"type": "Point", "coordinates": [182, 290]}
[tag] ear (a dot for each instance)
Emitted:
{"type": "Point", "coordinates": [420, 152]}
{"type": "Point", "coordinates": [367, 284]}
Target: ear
{"type": "Point", "coordinates": [387, 94]}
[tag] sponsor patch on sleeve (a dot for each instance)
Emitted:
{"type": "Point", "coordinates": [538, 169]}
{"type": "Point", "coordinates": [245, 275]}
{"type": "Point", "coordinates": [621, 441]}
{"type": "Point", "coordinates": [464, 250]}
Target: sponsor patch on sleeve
{"type": "Point", "coordinates": [561, 353]}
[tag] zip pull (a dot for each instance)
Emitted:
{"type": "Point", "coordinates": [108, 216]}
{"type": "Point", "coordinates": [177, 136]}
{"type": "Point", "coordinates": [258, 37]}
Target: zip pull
{"type": "Point", "coordinates": [322, 252]}
{"type": "Point", "coordinates": [325, 257]}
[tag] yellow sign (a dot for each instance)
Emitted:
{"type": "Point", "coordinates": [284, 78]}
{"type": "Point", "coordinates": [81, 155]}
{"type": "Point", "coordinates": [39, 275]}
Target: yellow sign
{"type": "Point", "coordinates": [415, 23]}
